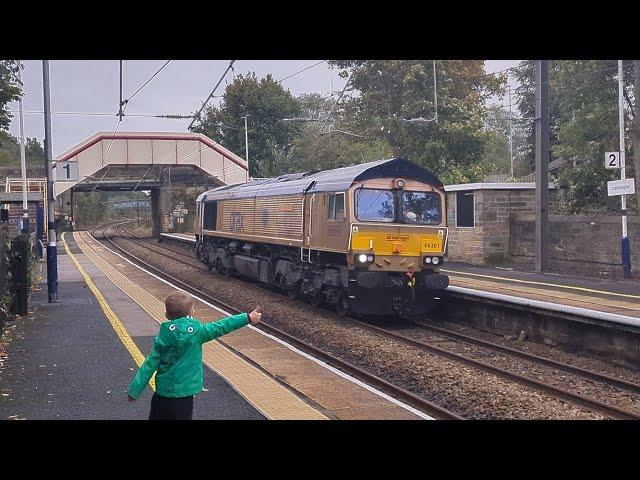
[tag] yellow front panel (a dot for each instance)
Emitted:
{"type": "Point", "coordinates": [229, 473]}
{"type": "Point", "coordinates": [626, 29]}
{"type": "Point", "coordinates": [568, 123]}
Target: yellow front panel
{"type": "Point", "coordinates": [398, 240]}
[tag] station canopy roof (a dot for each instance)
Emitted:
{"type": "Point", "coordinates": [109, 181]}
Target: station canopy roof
{"type": "Point", "coordinates": [337, 180]}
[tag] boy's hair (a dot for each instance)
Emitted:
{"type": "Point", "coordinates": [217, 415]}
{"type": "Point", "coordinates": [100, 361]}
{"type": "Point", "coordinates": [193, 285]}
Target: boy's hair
{"type": "Point", "coordinates": [178, 304]}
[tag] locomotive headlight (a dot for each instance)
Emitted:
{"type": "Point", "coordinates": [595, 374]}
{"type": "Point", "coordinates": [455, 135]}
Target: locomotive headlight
{"type": "Point", "coordinates": [370, 258]}
{"type": "Point", "coordinates": [436, 260]}
{"type": "Point", "coordinates": [427, 259]}
{"type": "Point", "coordinates": [362, 258]}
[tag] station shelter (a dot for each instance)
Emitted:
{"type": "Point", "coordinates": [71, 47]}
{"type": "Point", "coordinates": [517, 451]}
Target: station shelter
{"type": "Point", "coordinates": [479, 217]}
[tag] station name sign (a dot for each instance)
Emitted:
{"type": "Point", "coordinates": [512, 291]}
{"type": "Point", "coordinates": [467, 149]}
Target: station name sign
{"type": "Point", "coordinates": [621, 187]}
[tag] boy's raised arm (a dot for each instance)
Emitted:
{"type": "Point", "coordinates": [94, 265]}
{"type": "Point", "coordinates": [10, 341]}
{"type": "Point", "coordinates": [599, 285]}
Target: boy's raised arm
{"type": "Point", "coordinates": [145, 372]}
{"type": "Point", "coordinates": [221, 327]}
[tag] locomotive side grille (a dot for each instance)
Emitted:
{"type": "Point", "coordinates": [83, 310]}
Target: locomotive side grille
{"type": "Point", "coordinates": [237, 216]}
{"type": "Point", "coordinates": [279, 216]}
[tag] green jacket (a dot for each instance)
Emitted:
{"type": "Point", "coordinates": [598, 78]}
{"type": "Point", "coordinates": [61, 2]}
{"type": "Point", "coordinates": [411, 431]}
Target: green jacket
{"type": "Point", "coordinates": [177, 355]}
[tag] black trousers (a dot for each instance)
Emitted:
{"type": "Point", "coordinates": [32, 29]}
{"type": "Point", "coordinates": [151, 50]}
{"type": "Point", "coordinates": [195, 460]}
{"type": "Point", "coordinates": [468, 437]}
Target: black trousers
{"type": "Point", "coordinates": [165, 408]}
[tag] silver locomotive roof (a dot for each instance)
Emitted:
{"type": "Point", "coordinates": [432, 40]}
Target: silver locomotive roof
{"type": "Point", "coordinates": [336, 180]}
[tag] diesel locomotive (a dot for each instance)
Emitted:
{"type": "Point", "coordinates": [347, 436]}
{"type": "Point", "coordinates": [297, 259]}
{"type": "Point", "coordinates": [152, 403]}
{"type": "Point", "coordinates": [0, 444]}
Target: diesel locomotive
{"type": "Point", "coordinates": [368, 239]}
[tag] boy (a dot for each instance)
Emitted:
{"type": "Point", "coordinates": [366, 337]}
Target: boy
{"type": "Point", "coordinates": [177, 356]}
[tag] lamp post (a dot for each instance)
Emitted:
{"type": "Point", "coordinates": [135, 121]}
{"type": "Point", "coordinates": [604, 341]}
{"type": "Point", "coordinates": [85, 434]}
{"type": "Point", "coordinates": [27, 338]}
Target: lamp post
{"type": "Point", "coordinates": [626, 255]}
{"type": "Point", "coordinates": [23, 164]}
{"type": "Point", "coordinates": [52, 248]}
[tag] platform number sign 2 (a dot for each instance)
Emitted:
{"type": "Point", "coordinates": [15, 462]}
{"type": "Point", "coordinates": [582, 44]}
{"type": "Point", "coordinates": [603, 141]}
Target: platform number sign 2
{"type": "Point", "coordinates": [612, 160]}
{"type": "Point", "coordinates": [67, 171]}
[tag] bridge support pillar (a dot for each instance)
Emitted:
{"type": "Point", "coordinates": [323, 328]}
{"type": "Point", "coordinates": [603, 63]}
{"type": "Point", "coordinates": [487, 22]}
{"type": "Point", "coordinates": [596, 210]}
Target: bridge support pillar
{"type": "Point", "coordinates": [161, 207]}
{"type": "Point", "coordinates": [155, 212]}
{"type": "Point", "coordinates": [173, 208]}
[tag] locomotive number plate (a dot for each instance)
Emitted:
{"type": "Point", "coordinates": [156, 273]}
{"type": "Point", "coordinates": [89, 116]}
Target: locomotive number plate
{"type": "Point", "coordinates": [432, 245]}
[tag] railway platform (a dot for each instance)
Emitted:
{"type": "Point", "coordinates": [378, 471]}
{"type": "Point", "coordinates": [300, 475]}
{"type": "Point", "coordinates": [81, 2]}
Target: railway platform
{"type": "Point", "coordinates": [602, 299]}
{"type": "Point", "coordinates": [74, 359]}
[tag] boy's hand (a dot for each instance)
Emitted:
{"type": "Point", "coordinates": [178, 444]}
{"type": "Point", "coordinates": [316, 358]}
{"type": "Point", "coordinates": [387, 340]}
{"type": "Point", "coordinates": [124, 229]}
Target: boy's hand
{"type": "Point", "coordinates": [131, 399]}
{"type": "Point", "coordinates": [254, 317]}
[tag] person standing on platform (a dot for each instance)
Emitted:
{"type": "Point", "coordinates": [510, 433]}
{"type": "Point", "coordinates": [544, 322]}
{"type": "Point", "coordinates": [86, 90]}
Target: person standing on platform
{"type": "Point", "coordinates": [176, 356]}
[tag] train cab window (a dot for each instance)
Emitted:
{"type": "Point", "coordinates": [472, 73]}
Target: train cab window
{"type": "Point", "coordinates": [374, 205]}
{"type": "Point", "coordinates": [421, 208]}
{"type": "Point", "coordinates": [464, 209]}
{"type": "Point", "coordinates": [336, 206]}
{"type": "Point", "coordinates": [210, 215]}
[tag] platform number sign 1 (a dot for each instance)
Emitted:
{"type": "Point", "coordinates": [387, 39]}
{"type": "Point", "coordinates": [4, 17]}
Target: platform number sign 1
{"type": "Point", "coordinates": [66, 171]}
{"type": "Point", "coordinates": [612, 160]}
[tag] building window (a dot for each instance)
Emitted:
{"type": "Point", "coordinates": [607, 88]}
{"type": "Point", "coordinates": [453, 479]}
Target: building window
{"type": "Point", "coordinates": [336, 206]}
{"type": "Point", "coordinates": [464, 209]}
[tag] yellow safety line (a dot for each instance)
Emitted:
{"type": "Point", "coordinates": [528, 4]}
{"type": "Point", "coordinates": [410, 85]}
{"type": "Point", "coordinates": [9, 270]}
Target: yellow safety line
{"type": "Point", "coordinates": [626, 295]}
{"type": "Point", "coordinates": [111, 316]}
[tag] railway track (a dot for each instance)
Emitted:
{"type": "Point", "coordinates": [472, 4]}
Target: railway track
{"type": "Point", "coordinates": [399, 393]}
{"type": "Point", "coordinates": [428, 346]}
{"type": "Point", "coordinates": [553, 390]}
{"type": "Point", "coordinates": [597, 376]}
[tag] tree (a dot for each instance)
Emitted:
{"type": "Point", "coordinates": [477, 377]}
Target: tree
{"type": "Point", "coordinates": [525, 75]}
{"type": "Point", "coordinates": [583, 109]}
{"type": "Point", "coordinates": [496, 152]}
{"type": "Point", "coordinates": [267, 104]}
{"type": "Point", "coordinates": [322, 146]}
{"type": "Point", "coordinates": [33, 152]}
{"type": "Point", "coordinates": [10, 90]}
{"type": "Point", "coordinates": [10, 151]}
{"type": "Point", "coordinates": [384, 94]}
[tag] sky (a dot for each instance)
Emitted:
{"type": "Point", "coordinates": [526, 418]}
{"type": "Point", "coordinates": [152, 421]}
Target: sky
{"type": "Point", "coordinates": [92, 87]}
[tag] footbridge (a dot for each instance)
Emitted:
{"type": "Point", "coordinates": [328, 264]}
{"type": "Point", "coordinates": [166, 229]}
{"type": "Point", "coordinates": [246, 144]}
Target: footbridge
{"type": "Point", "coordinates": [163, 163]}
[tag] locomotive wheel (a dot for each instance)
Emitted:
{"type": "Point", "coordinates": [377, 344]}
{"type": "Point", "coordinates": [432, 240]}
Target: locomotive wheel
{"type": "Point", "coordinates": [342, 306]}
{"type": "Point", "coordinates": [292, 291]}
{"type": "Point", "coordinates": [315, 300]}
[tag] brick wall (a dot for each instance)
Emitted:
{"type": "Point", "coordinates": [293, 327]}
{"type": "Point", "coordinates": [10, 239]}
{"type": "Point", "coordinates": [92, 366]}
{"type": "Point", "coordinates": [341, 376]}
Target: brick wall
{"type": "Point", "coordinates": [578, 244]}
{"type": "Point", "coordinates": [464, 244]}
{"type": "Point", "coordinates": [495, 226]}
{"type": "Point", "coordinates": [488, 242]}
{"type": "Point", "coordinates": [170, 198]}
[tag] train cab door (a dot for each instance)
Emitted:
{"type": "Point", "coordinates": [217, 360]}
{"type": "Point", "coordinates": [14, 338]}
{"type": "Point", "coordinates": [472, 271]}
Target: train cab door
{"type": "Point", "coordinates": [309, 201]}
{"type": "Point", "coordinates": [313, 220]}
